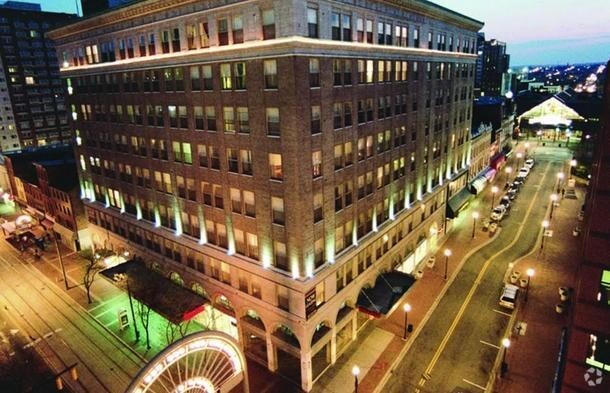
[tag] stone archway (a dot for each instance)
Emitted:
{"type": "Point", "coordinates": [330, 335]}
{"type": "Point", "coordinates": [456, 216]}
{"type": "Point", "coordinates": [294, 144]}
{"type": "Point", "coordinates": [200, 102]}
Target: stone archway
{"type": "Point", "coordinates": [177, 367]}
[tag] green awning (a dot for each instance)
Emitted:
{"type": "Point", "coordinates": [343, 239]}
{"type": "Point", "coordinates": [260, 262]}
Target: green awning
{"type": "Point", "coordinates": [458, 202]}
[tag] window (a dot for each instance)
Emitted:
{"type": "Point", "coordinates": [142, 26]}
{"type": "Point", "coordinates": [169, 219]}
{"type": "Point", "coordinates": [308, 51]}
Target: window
{"type": "Point", "coordinates": [314, 73]}
{"type": "Point", "coordinates": [369, 31]}
{"type": "Point", "coordinates": [268, 24]}
{"type": "Point", "coordinates": [281, 261]}
{"type": "Point", "coordinates": [239, 70]}
{"type": "Point", "coordinates": [246, 161]}
{"type": "Point", "coordinates": [416, 37]}
{"type": "Point", "coordinates": [223, 32]}
{"type": "Point", "coordinates": [317, 207]}
{"type": "Point", "coordinates": [273, 121]}
{"type": "Point", "coordinates": [312, 23]}
{"type": "Point", "coordinates": [238, 29]}
{"type": "Point", "coordinates": [346, 25]}
{"type": "Point", "coordinates": [207, 77]}
{"type": "Point", "coordinates": [336, 26]}
{"type": "Point", "coordinates": [315, 119]}
{"type": "Point", "coordinates": [204, 36]}
{"type": "Point", "coordinates": [226, 82]}
{"type": "Point", "coordinates": [195, 78]}
{"type": "Point", "coordinates": [232, 160]}
{"type": "Point", "coordinates": [277, 209]}
{"type": "Point", "coordinates": [243, 121]}
{"type": "Point", "coordinates": [270, 70]}
{"type": "Point", "coordinates": [360, 30]}
{"type": "Point", "coordinates": [229, 120]}
{"type": "Point", "coordinates": [275, 166]}
{"type": "Point", "coordinates": [316, 161]}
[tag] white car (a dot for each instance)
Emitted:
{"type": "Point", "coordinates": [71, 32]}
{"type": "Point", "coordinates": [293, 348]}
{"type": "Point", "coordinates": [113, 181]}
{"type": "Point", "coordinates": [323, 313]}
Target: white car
{"type": "Point", "coordinates": [508, 298]}
{"type": "Point", "coordinates": [529, 163]}
{"type": "Point", "coordinates": [523, 172]}
{"type": "Point", "coordinates": [498, 212]}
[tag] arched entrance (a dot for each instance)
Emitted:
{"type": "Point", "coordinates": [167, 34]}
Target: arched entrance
{"type": "Point", "coordinates": [206, 362]}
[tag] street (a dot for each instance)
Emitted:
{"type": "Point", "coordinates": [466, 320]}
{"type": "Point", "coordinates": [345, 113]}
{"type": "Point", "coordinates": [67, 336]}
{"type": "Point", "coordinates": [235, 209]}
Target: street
{"type": "Point", "coordinates": [457, 348]}
{"type": "Point", "coordinates": [45, 319]}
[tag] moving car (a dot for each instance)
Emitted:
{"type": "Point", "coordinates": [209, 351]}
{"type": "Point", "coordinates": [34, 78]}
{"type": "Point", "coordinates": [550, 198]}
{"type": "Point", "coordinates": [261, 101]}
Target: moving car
{"type": "Point", "coordinates": [529, 163]}
{"type": "Point", "coordinates": [498, 213]}
{"type": "Point", "coordinates": [508, 298]}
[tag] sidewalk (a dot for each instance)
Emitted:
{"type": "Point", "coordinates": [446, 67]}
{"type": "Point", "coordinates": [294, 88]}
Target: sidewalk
{"type": "Point", "coordinates": [376, 362]}
{"type": "Point", "coordinates": [532, 357]}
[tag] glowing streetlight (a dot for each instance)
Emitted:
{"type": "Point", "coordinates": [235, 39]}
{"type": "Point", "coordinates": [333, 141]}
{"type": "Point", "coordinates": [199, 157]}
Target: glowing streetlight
{"type": "Point", "coordinates": [505, 345]}
{"type": "Point", "coordinates": [508, 171]}
{"type": "Point", "coordinates": [494, 191]}
{"type": "Point", "coordinates": [447, 253]}
{"type": "Point", "coordinates": [545, 225]}
{"type": "Point", "coordinates": [355, 373]}
{"type": "Point", "coordinates": [560, 177]}
{"type": "Point", "coordinates": [530, 275]}
{"type": "Point", "coordinates": [406, 308]}
{"type": "Point", "coordinates": [554, 198]}
{"type": "Point", "coordinates": [475, 217]}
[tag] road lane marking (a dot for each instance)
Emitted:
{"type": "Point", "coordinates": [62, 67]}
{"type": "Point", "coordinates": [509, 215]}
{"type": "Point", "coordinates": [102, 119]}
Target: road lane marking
{"type": "Point", "coordinates": [502, 312]}
{"type": "Point", "coordinates": [490, 344]}
{"type": "Point", "coordinates": [477, 281]}
{"type": "Point", "coordinates": [474, 384]}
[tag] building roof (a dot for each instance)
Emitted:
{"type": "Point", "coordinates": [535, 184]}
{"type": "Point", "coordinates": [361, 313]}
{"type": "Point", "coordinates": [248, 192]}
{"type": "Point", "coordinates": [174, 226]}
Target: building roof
{"type": "Point", "coordinates": [58, 160]}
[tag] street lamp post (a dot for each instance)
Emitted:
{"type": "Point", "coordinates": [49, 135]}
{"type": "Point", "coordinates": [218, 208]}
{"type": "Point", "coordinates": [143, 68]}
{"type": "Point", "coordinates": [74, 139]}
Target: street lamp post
{"type": "Point", "coordinates": [406, 308]}
{"type": "Point", "coordinates": [447, 255]}
{"type": "Point", "coordinates": [530, 274]}
{"type": "Point", "coordinates": [355, 373]}
{"type": "Point", "coordinates": [508, 170]}
{"type": "Point", "coordinates": [560, 177]}
{"type": "Point", "coordinates": [554, 198]}
{"type": "Point", "coordinates": [519, 155]}
{"type": "Point", "coordinates": [61, 262]}
{"type": "Point", "coordinates": [572, 166]}
{"type": "Point", "coordinates": [475, 216]}
{"type": "Point", "coordinates": [494, 190]}
{"type": "Point", "coordinates": [505, 345]}
{"type": "Point", "coordinates": [527, 146]}
{"type": "Point", "coordinates": [545, 225]}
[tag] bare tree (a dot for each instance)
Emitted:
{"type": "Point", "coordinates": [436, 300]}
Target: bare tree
{"type": "Point", "coordinates": [92, 268]}
{"type": "Point", "coordinates": [144, 314]}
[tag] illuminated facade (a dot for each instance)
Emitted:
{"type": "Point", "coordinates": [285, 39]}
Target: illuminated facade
{"type": "Point", "coordinates": [275, 156]}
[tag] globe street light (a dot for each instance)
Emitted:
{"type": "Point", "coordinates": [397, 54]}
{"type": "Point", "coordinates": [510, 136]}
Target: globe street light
{"type": "Point", "coordinates": [494, 190]}
{"type": "Point", "coordinates": [545, 225]}
{"type": "Point", "coordinates": [355, 373]}
{"type": "Point", "coordinates": [406, 307]}
{"type": "Point", "coordinates": [530, 274]}
{"type": "Point", "coordinates": [508, 170]}
{"type": "Point", "coordinates": [560, 177]}
{"type": "Point", "coordinates": [447, 255]}
{"type": "Point", "coordinates": [554, 198]}
{"type": "Point", "coordinates": [475, 216]}
{"type": "Point", "coordinates": [505, 345]}
{"type": "Point", "coordinates": [572, 166]}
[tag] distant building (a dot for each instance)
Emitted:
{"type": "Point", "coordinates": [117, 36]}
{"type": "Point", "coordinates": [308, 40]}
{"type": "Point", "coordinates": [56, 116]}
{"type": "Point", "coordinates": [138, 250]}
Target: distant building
{"type": "Point", "coordinates": [44, 181]}
{"type": "Point", "coordinates": [589, 329]}
{"type": "Point", "coordinates": [91, 7]}
{"type": "Point", "coordinates": [33, 111]}
{"type": "Point", "coordinates": [492, 65]}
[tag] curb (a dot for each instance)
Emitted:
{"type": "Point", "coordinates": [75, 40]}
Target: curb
{"type": "Point", "coordinates": [429, 313]}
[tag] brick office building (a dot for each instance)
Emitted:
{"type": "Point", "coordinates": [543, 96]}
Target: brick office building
{"type": "Point", "coordinates": [282, 158]}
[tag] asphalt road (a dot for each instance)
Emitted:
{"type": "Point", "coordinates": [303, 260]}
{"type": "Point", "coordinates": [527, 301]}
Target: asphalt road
{"type": "Point", "coordinates": [456, 350]}
{"type": "Point", "coordinates": [41, 317]}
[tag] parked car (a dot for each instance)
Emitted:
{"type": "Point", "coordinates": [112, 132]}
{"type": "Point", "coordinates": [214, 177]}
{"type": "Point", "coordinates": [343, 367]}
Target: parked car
{"type": "Point", "coordinates": [517, 183]}
{"type": "Point", "coordinates": [498, 213]}
{"type": "Point", "coordinates": [505, 201]}
{"type": "Point", "coordinates": [512, 193]}
{"type": "Point", "coordinates": [508, 298]}
{"type": "Point", "coordinates": [523, 172]}
{"type": "Point", "coordinates": [529, 163]}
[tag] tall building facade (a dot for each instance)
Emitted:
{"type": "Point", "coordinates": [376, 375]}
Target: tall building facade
{"type": "Point", "coordinates": [492, 66]}
{"type": "Point", "coordinates": [589, 330]}
{"type": "Point", "coordinates": [33, 92]}
{"type": "Point", "coordinates": [278, 157]}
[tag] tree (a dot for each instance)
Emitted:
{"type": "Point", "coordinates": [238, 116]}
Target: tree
{"type": "Point", "coordinates": [92, 268]}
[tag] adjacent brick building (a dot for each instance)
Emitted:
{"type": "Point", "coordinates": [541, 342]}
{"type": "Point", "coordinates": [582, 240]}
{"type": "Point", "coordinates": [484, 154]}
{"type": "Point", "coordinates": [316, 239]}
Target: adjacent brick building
{"type": "Point", "coordinates": [277, 157]}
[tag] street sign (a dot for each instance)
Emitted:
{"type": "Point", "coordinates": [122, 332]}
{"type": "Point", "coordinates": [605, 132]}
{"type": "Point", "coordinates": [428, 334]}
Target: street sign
{"type": "Point", "coordinates": [123, 319]}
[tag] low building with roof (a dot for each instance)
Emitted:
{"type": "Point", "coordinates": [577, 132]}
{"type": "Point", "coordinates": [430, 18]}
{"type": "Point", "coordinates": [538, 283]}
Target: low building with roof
{"type": "Point", "coordinates": [45, 183]}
